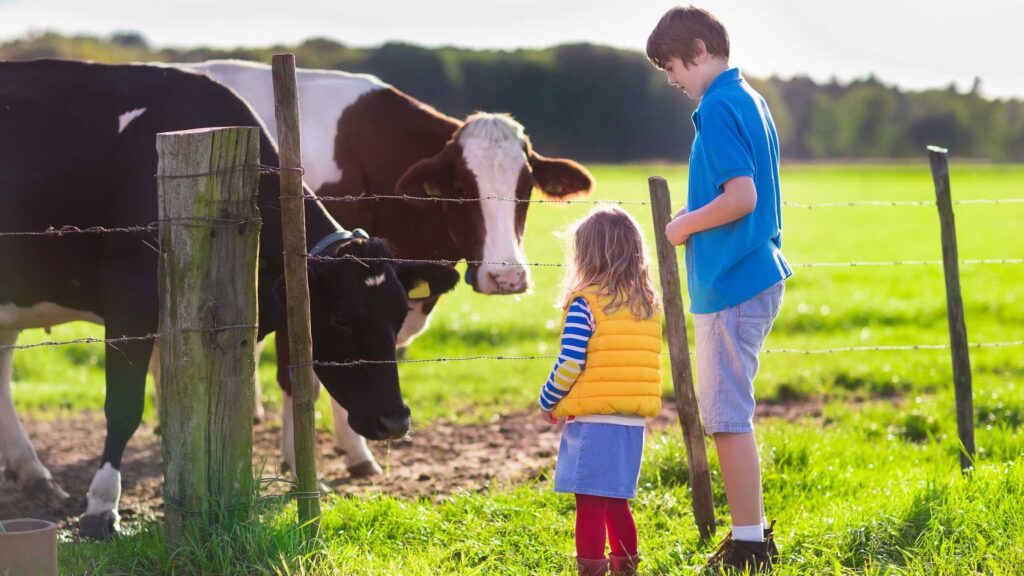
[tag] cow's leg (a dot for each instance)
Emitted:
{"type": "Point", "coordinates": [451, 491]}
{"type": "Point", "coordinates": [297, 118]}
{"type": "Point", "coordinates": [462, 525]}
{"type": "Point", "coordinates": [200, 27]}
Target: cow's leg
{"type": "Point", "coordinates": [126, 390]}
{"type": "Point", "coordinates": [287, 435]}
{"type": "Point", "coordinates": [258, 413]}
{"type": "Point", "coordinates": [154, 371]}
{"type": "Point", "coordinates": [19, 459]}
{"type": "Point", "coordinates": [358, 458]}
{"type": "Point", "coordinates": [130, 309]}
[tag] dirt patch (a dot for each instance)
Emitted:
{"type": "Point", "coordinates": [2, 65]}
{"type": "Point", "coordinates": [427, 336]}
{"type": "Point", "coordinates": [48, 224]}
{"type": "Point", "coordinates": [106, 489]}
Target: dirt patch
{"type": "Point", "coordinates": [437, 461]}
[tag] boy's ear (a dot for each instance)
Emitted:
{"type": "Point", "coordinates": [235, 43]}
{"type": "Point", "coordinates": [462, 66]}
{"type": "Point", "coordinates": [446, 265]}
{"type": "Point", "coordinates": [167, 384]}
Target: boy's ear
{"type": "Point", "coordinates": [430, 177]}
{"type": "Point", "coordinates": [560, 178]}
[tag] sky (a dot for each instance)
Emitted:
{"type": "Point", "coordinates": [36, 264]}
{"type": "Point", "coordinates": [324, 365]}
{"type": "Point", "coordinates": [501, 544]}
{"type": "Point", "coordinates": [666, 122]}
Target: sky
{"type": "Point", "coordinates": [914, 45]}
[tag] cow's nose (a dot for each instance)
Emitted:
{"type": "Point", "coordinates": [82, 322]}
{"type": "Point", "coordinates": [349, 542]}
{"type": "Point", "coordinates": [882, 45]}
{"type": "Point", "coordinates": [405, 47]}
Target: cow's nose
{"type": "Point", "coordinates": [510, 279]}
{"type": "Point", "coordinates": [395, 426]}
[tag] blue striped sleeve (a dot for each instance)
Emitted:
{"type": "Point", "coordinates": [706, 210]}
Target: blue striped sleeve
{"type": "Point", "coordinates": [572, 356]}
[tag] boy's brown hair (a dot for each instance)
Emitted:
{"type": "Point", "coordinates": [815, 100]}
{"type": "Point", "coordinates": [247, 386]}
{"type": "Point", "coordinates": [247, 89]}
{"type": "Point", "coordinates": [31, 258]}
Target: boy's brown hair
{"type": "Point", "coordinates": [677, 32]}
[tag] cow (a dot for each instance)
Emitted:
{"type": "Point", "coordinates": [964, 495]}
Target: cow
{"type": "Point", "coordinates": [77, 148]}
{"type": "Point", "coordinates": [363, 137]}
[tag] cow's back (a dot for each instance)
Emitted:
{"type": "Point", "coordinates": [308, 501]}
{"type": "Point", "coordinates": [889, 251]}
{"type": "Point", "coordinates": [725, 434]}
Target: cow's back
{"type": "Point", "coordinates": [77, 148]}
{"type": "Point", "coordinates": [324, 95]}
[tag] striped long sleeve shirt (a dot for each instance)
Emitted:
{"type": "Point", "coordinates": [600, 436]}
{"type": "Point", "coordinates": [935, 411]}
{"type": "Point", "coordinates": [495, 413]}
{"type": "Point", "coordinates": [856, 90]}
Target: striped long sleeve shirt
{"type": "Point", "coordinates": [579, 327]}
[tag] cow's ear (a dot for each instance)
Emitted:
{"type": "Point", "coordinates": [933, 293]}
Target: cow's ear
{"type": "Point", "coordinates": [428, 178]}
{"type": "Point", "coordinates": [559, 178]}
{"type": "Point", "coordinates": [426, 280]}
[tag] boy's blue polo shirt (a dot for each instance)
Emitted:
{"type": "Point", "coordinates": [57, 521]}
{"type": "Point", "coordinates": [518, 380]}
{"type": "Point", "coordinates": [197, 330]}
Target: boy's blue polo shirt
{"type": "Point", "coordinates": [735, 137]}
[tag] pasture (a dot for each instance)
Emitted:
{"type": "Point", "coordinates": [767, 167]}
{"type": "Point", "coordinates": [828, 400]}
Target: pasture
{"type": "Point", "coordinates": [859, 448]}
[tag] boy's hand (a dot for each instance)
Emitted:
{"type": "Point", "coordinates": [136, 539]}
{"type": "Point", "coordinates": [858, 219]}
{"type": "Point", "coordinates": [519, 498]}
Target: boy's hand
{"type": "Point", "coordinates": [682, 211]}
{"type": "Point", "coordinates": [548, 416]}
{"type": "Point", "coordinates": [677, 231]}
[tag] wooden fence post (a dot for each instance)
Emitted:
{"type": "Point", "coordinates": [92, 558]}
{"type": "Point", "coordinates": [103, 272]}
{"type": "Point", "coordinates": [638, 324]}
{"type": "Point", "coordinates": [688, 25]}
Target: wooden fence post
{"type": "Point", "coordinates": [679, 353]}
{"type": "Point", "coordinates": [939, 158]}
{"type": "Point", "coordinates": [300, 340]}
{"type": "Point", "coordinates": [209, 243]}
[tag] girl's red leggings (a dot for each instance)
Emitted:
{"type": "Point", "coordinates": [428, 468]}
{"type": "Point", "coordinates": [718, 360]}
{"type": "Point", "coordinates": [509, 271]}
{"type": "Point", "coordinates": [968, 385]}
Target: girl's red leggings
{"type": "Point", "coordinates": [598, 517]}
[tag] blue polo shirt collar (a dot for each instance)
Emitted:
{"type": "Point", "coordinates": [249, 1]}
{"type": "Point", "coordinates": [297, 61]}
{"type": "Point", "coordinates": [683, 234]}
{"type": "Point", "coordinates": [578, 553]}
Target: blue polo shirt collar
{"type": "Point", "coordinates": [730, 76]}
{"type": "Point", "coordinates": [724, 79]}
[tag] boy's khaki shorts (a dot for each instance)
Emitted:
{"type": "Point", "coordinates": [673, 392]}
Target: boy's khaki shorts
{"type": "Point", "coordinates": [728, 343]}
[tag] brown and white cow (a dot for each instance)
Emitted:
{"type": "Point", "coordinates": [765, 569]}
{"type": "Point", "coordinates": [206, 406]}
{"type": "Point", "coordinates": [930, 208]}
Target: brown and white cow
{"type": "Point", "coordinates": [362, 137]}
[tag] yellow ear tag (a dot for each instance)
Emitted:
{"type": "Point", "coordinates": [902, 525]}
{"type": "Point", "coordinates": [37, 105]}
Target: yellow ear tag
{"type": "Point", "coordinates": [431, 190]}
{"type": "Point", "coordinates": [420, 290]}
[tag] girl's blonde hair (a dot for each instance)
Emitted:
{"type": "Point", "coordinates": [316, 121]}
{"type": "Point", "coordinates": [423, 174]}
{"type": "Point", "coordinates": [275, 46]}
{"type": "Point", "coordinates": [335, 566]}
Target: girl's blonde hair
{"type": "Point", "coordinates": [609, 253]}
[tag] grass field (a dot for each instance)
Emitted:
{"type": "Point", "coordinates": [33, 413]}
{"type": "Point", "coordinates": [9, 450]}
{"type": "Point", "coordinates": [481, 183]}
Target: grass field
{"type": "Point", "coordinates": [872, 486]}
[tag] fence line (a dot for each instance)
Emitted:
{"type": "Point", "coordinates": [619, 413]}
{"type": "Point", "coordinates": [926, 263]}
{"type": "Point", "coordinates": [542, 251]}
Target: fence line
{"type": "Point", "coordinates": [837, 204]}
{"type": "Point", "coordinates": [813, 351]}
{"type": "Point", "coordinates": [861, 264]}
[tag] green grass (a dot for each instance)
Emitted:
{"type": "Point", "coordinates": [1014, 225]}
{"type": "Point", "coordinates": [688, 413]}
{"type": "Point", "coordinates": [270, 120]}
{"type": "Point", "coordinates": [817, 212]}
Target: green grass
{"type": "Point", "coordinates": [851, 496]}
{"type": "Point", "coordinates": [871, 487]}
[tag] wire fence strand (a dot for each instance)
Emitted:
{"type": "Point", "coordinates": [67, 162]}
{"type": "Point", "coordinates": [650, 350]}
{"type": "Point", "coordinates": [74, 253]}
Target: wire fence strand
{"type": "Point", "coordinates": [551, 357]}
{"type": "Point", "coordinates": [862, 264]}
{"type": "Point", "coordinates": [618, 202]}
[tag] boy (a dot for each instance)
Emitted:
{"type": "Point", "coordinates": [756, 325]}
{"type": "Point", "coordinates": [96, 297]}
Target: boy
{"type": "Point", "coordinates": [732, 229]}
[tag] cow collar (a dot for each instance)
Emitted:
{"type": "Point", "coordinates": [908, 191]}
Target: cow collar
{"type": "Point", "coordinates": [337, 237]}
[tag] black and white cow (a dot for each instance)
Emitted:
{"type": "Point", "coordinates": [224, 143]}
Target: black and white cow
{"type": "Point", "coordinates": [77, 148]}
{"type": "Point", "coordinates": [361, 136]}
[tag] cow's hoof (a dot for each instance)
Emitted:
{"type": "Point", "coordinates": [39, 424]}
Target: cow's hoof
{"type": "Point", "coordinates": [102, 526]}
{"type": "Point", "coordinates": [259, 415]}
{"type": "Point", "coordinates": [45, 490]}
{"type": "Point", "coordinates": [366, 469]}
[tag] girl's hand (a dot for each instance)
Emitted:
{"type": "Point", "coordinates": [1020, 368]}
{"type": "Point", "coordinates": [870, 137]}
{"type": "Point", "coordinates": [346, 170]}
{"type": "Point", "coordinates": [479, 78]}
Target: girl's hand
{"type": "Point", "coordinates": [548, 416]}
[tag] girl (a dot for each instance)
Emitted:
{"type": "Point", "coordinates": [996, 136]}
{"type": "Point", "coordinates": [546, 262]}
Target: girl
{"type": "Point", "coordinates": [606, 382]}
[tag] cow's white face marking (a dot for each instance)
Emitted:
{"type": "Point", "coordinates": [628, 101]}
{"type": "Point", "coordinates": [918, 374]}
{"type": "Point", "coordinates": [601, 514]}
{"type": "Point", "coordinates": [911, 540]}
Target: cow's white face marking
{"type": "Point", "coordinates": [41, 315]}
{"type": "Point", "coordinates": [125, 119]}
{"type": "Point", "coordinates": [105, 492]}
{"type": "Point", "coordinates": [375, 280]}
{"type": "Point", "coordinates": [492, 145]}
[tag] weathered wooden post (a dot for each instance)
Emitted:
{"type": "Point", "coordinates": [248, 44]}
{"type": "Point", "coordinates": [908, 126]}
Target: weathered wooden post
{"type": "Point", "coordinates": [300, 340]}
{"type": "Point", "coordinates": [679, 353]}
{"type": "Point", "coordinates": [209, 243]}
{"type": "Point", "coordinates": [939, 158]}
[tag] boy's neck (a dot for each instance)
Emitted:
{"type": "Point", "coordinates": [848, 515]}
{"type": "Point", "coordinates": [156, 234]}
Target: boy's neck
{"type": "Point", "coordinates": [714, 67]}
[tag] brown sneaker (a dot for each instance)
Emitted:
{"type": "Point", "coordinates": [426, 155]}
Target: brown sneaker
{"type": "Point", "coordinates": [623, 565]}
{"type": "Point", "coordinates": [585, 567]}
{"type": "Point", "coordinates": [739, 556]}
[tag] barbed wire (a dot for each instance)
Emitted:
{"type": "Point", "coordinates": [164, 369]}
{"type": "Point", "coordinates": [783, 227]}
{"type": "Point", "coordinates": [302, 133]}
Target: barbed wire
{"type": "Point", "coordinates": [549, 357]}
{"type": "Point", "coordinates": [125, 339]}
{"type": "Point", "coordinates": [261, 168]}
{"type": "Point", "coordinates": [213, 223]}
{"type": "Point", "coordinates": [439, 199]}
{"type": "Point", "coordinates": [450, 262]}
{"type": "Point", "coordinates": [849, 203]}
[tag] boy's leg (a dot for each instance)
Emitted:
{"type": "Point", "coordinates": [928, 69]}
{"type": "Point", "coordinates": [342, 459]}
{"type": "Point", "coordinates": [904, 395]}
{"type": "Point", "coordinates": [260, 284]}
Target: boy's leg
{"type": "Point", "coordinates": [590, 526]}
{"type": "Point", "coordinates": [741, 473]}
{"type": "Point", "coordinates": [622, 538]}
{"type": "Point", "coordinates": [728, 344]}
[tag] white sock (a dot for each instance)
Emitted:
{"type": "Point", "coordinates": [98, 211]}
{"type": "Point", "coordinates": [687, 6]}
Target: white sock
{"type": "Point", "coordinates": [764, 522]}
{"type": "Point", "coordinates": [748, 533]}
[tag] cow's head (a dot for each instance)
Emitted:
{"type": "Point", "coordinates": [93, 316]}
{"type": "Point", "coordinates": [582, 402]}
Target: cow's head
{"type": "Point", "coordinates": [358, 302]}
{"type": "Point", "coordinates": [490, 163]}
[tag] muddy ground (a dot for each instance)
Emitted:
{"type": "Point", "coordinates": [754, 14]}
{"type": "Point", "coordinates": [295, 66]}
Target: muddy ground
{"type": "Point", "coordinates": [439, 460]}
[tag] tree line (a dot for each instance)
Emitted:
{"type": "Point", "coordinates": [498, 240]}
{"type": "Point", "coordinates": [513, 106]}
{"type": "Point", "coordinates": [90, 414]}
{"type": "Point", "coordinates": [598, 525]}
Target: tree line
{"type": "Point", "coordinates": [600, 104]}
